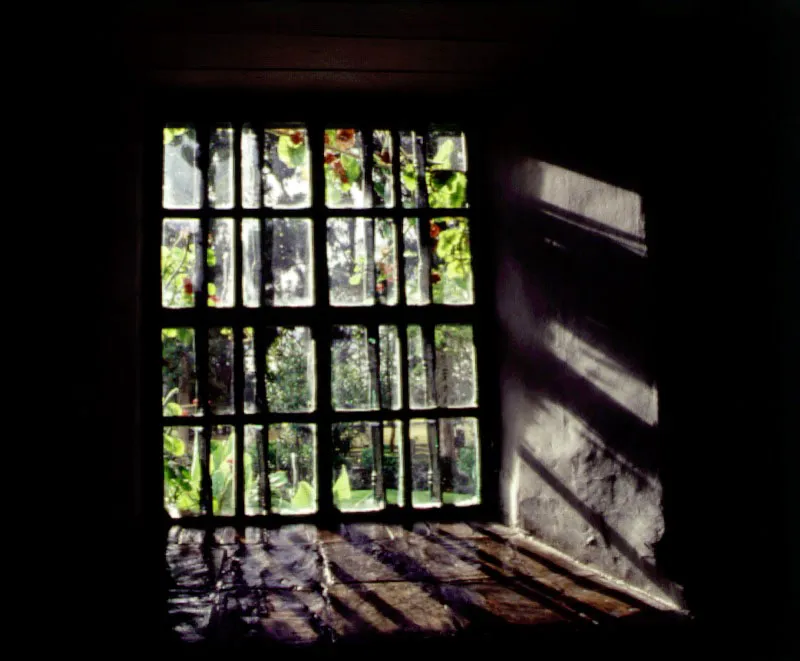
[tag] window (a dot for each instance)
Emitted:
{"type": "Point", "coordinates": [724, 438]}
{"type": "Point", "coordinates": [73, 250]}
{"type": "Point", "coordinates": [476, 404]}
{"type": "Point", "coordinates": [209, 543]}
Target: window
{"type": "Point", "coordinates": [317, 319]}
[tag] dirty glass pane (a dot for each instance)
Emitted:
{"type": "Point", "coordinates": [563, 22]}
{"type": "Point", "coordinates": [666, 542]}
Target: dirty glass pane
{"type": "Point", "coordinates": [250, 378]}
{"type": "Point", "coordinates": [181, 271]}
{"type": "Point", "coordinates": [183, 470]}
{"type": "Point", "coordinates": [419, 371]}
{"type": "Point", "coordinates": [351, 270]}
{"type": "Point", "coordinates": [220, 370]}
{"type": "Point", "coordinates": [412, 186]}
{"type": "Point", "coordinates": [445, 174]}
{"type": "Point", "coordinates": [287, 184]}
{"type": "Point", "coordinates": [220, 258]}
{"type": "Point", "coordinates": [288, 263]}
{"type": "Point", "coordinates": [356, 487]}
{"type": "Point", "coordinates": [455, 365]}
{"type": "Point", "coordinates": [426, 486]}
{"type": "Point", "coordinates": [389, 350]}
{"type": "Point", "coordinates": [290, 369]}
{"type": "Point", "coordinates": [385, 261]}
{"type": "Point", "coordinates": [251, 179]}
{"type": "Point", "coordinates": [220, 168]}
{"type": "Point", "coordinates": [382, 180]}
{"type": "Point", "coordinates": [353, 383]}
{"type": "Point", "coordinates": [292, 461]}
{"type": "Point", "coordinates": [178, 372]}
{"type": "Point", "coordinates": [255, 471]}
{"type": "Point", "coordinates": [181, 183]}
{"type": "Point", "coordinates": [251, 262]}
{"type": "Point", "coordinates": [393, 462]}
{"type": "Point", "coordinates": [451, 270]}
{"type": "Point", "coordinates": [344, 169]}
{"type": "Point", "coordinates": [415, 262]}
{"type": "Point", "coordinates": [222, 467]}
{"type": "Point", "coordinates": [459, 461]}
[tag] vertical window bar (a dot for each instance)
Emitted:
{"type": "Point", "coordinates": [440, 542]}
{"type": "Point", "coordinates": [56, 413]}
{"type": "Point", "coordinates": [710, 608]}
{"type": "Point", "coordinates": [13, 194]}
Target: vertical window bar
{"type": "Point", "coordinates": [322, 329]}
{"type": "Point", "coordinates": [402, 332]}
{"type": "Point", "coordinates": [201, 330]}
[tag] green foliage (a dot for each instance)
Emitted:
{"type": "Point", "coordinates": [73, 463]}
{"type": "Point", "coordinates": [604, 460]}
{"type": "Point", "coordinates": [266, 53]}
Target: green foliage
{"type": "Point", "coordinates": [341, 488]}
{"type": "Point", "coordinates": [293, 155]}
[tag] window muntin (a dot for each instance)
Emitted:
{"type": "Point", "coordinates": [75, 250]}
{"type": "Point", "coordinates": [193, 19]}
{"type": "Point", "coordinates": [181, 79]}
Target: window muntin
{"type": "Point", "coordinates": [252, 297]}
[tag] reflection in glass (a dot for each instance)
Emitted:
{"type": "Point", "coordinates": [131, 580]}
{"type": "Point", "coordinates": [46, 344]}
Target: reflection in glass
{"type": "Point", "coordinates": [220, 168]}
{"type": "Point", "coordinates": [251, 179]}
{"type": "Point", "coordinates": [288, 264]}
{"type": "Point", "coordinates": [251, 262]}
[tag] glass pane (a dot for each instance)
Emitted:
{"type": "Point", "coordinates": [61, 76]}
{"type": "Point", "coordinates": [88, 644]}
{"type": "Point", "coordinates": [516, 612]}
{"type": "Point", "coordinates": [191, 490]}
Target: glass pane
{"type": "Point", "coordinates": [178, 372]}
{"type": "Point", "coordinates": [222, 467]}
{"type": "Point", "coordinates": [344, 169]}
{"type": "Point", "coordinates": [181, 271]}
{"type": "Point", "coordinates": [445, 174]}
{"type": "Point", "coordinates": [353, 386]}
{"type": "Point", "coordinates": [382, 180]}
{"type": "Point", "coordinates": [412, 187]}
{"type": "Point", "coordinates": [389, 350]}
{"type": "Point", "coordinates": [220, 168]}
{"type": "Point", "coordinates": [385, 262]}
{"type": "Point", "coordinates": [351, 272]}
{"type": "Point", "coordinates": [288, 264]}
{"type": "Point", "coordinates": [459, 461]}
{"type": "Point", "coordinates": [181, 181]}
{"type": "Point", "coordinates": [255, 470]}
{"type": "Point", "coordinates": [393, 462]}
{"type": "Point", "coordinates": [451, 270]}
{"type": "Point", "coordinates": [419, 371]}
{"type": "Point", "coordinates": [293, 468]}
{"type": "Point", "coordinates": [287, 184]}
{"type": "Point", "coordinates": [220, 256]}
{"type": "Point", "coordinates": [415, 261]}
{"type": "Point", "coordinates": [183, 470]}
{"type": "Point", "coordinates": [220, 370]}
{"type": "Point", "coordinates": [290, 369]}
{"type": "Point", "coordinates": [250, 378]}
{"type": "Point", "coordinates": [356, 483]}
{"type": "Point", "coordinates": [455, 365]}
{"type": "Point", "coordinates": [251, 180]}
{"type": "Point", "coordinates": [425, 482]}
{"type": "Point", "coordinates": [251, 262]}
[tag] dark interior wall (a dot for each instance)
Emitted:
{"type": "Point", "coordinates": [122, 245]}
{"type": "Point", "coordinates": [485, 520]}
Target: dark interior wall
{"type": "Point", "coordinates": [678, 111]}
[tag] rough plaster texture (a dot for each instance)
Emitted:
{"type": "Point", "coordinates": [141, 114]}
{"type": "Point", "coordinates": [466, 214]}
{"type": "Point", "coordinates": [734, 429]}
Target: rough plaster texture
{"type": "Point", "coordinates": [580, 457]}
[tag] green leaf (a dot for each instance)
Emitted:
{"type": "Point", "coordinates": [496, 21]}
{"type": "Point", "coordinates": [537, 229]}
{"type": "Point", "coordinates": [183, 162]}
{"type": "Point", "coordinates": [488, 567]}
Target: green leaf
{"type": "Point", "coordinates": [172, 408]}
{"type": "Point", "coordinates": [352, 167]}
{"type": "Point", "coordinates": [304, 498]}
{"type": "Point", "coordinates": [212, 289]}
{"type": "Point", "coordinates": [341, 488]}
{"type": "Point", "coordinates": [355, 279]}
{"type": "Point", "coordinates": [292, 155]}
{"type": "Point", "coordinates": [211, 258]}
{"type": "Point", "coordinates": [186, 336]}
{"type": "Point", "coordinates": [446, 243]}
{"type": "Point", "coordinates": [278, 479]}
{"type": "Point", "coordinates": [443, 155]}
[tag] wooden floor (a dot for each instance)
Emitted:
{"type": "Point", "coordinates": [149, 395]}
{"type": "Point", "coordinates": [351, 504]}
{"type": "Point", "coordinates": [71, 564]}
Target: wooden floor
{"type": "Point", "coordinates": [449, 586]}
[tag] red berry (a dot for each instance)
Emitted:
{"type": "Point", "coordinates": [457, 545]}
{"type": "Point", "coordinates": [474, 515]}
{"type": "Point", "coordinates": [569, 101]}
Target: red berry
{"type": "Point", "coordinates": [188, 288]}
{"type": "Point", "coordinates": [330, 157]}
{"type": "Point", "coordinates": [435, 277]}
{"type": "Point", "coordinates": [385, 156]}
{"type": "Point", "coordinates": [434, 230]}
{"type": "Point", "coordinates": [297, 137]}
{"type": "Point", "coordinates": [380, 287]}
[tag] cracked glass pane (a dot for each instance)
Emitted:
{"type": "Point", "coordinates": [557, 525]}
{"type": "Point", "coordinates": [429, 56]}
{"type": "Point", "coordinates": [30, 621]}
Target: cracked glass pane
{"type": "Point", "coordinates": [178, 372]}
{"type": "Point", "coordinates": [181, 271]}
{"type": "Point", "coordinates": [287, 184]}
{"type": "Point", "coordinates": [183, 470]}
{"type": "Point", "coordinates": [181, 184]}
{"type": "Point", "coordinates": [292, 464]}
